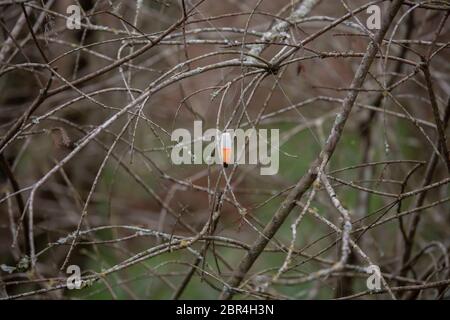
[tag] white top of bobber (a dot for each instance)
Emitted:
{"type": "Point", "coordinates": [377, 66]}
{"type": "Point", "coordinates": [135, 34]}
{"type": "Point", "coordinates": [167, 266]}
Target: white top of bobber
{"type": "Point", "coordinates": [225, 140]}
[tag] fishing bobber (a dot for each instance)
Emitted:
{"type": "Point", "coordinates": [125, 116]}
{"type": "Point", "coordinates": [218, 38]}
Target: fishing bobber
{"type": "Point", "coordinates": [226, 147]}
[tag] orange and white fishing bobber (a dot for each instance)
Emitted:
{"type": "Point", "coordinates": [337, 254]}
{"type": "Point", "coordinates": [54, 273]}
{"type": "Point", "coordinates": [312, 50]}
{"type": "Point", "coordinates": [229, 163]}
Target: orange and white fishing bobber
{"type": "Point", "coordinates": [226, 146]}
